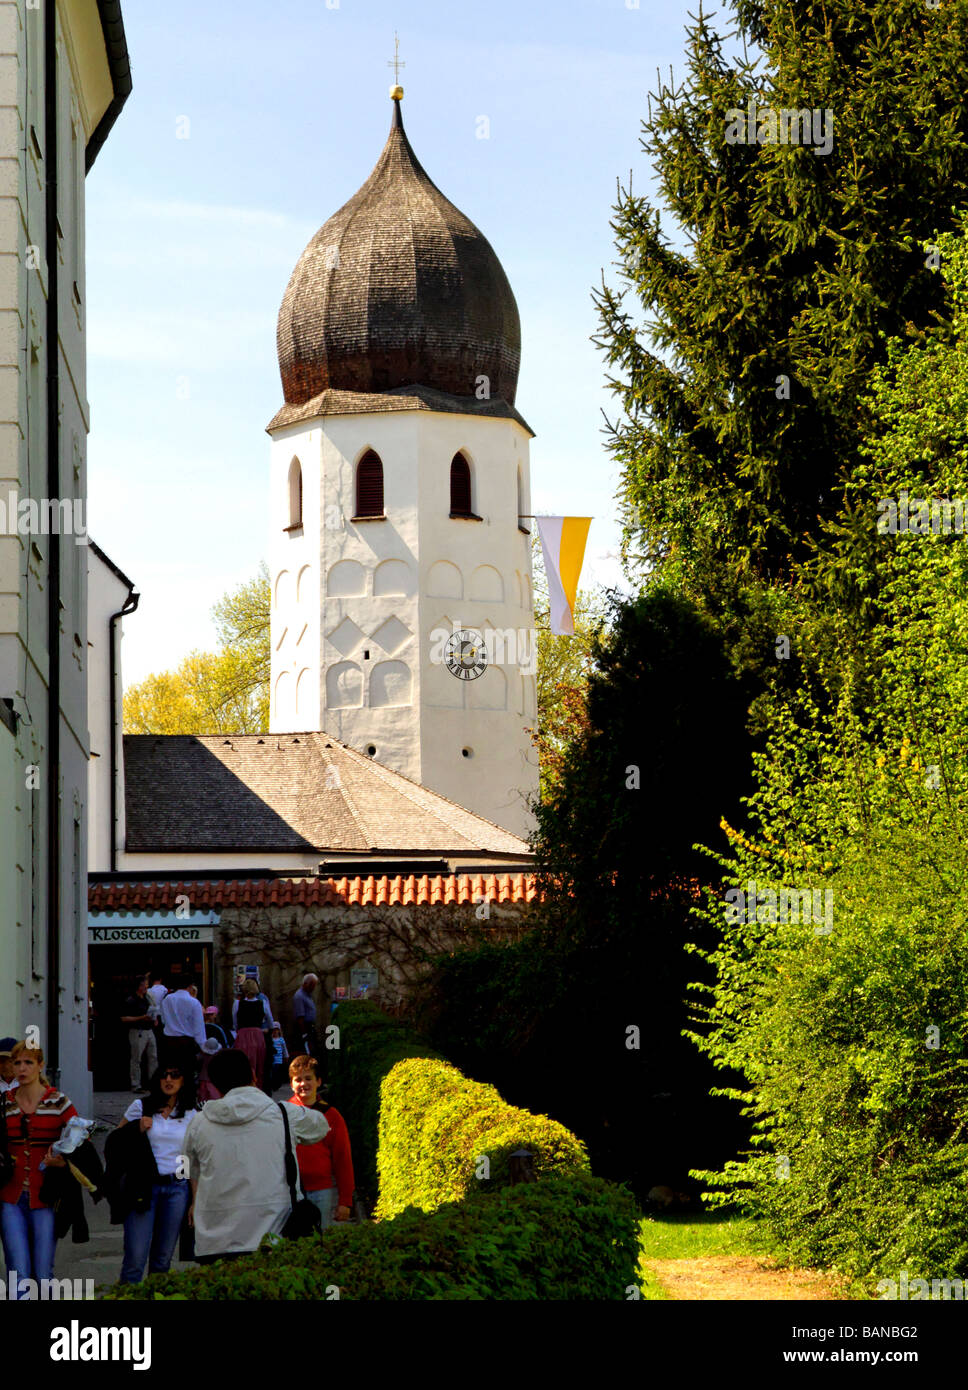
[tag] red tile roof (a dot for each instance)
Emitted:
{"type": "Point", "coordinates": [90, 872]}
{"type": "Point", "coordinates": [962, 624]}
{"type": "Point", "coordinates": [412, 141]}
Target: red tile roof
{"type": "Point", "coordinates": [216, 895]}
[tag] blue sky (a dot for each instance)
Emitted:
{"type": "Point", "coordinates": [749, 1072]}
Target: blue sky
{"type": "Point", "coordinates": [191, 241]}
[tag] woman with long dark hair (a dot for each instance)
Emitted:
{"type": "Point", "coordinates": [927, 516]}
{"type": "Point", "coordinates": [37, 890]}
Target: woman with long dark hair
{"type": "Point", "coordinates": [164, 1116]}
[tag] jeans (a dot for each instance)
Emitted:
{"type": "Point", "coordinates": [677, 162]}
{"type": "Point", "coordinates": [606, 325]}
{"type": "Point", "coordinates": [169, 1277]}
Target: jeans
{"type": "Point", "coordinates": [155, 1230]}
{"type": "Point", "coordinates": [28, 1239]}
{"type": "Point", "coordinates": [326, 1198]}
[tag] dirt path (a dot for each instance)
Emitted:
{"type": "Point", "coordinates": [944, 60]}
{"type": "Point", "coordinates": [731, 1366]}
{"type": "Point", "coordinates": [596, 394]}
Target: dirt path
{"type": "Point", "coordinates": [740, 1277]}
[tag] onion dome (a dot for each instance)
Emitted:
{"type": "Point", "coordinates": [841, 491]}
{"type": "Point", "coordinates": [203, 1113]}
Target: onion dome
{"type": "Point", "coordinates": [398, 289]}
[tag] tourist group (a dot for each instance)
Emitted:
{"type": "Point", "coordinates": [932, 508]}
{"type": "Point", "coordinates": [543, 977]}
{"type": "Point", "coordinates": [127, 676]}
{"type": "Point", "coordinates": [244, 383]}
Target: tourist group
{"type": "Point", "coordinates": [204, 1160]}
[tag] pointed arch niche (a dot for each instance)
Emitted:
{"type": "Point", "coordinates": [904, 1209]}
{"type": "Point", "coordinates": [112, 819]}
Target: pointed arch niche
{"type": "Point", "coordinates": [390, 684]}
{"type": "Point", "coordinates": [444, 580]}
{"type": "Point", "coordinates": [523, 521]}
{"type": "Point", "coordinates": [285, 703]}
{"type": "Point", "coordinates": [346, 579]}
{"type": "Point", "coordinates": [295, 496]}
{"type": "Point", "coordinates": [344, 686]}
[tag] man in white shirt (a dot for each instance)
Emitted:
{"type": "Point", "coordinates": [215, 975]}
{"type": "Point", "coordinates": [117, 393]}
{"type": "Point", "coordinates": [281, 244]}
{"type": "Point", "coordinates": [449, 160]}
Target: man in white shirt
{"type": "Point", "coordinates": [156, 992]}
{"type": "Point", "coordinates": [237, 1150]}
{"type": "Point", "coordinates": [183, 1023]}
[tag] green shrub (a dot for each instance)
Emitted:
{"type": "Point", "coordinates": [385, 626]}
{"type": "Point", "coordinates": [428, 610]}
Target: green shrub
{"type": "Point", "coordinates": [371, 1043]}
{"type": "Point", "coordinates": [852, 1034]}
{"type": "Point", "coordinates": [574, 1238]}
{"type": "Point", "coordinates": [548, 1024]}
{"type": "Point", "coordinates": [443, 1136]}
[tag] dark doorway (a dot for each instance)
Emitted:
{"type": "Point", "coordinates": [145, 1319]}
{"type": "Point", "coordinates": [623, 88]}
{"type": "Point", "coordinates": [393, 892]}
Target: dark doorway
{"type": "Point", "coordinates": [115, 971]}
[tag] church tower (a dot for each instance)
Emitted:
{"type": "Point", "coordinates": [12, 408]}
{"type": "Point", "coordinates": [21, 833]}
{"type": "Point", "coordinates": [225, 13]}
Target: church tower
{"type": "Point", "coordinates": [400, 552]}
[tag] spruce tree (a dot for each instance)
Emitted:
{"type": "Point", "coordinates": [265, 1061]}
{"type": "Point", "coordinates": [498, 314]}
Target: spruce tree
{"type": "Point", "coordinates": [740, 358]}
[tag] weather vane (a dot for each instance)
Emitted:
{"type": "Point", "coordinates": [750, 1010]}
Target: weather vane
{"type": "Point", "coordinates": [395, 62]}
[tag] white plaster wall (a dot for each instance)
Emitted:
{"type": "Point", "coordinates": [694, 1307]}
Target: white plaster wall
{"type": "Point", "coordinates": [483, 715]}
{"type": "Point", "coordinates": [192, 864]}
{"type": "Point", "coordinates": [106, 595]}
{"type": "Point", "coordinates": [347, 625]}
{"type": "Point", "coordinates": [24, 638]}
{"type": "Point", "coordinates": [423, 730]}
{"type": "Point", "coordinates": [294, 574]}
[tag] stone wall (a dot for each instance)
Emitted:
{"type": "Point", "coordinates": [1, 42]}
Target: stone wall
{"type": "Point", "coordinates": [288, 942]}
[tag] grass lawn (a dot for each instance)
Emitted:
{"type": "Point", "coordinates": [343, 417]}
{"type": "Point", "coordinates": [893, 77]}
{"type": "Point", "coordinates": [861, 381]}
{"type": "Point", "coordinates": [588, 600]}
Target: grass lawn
{"type": "Point", "coordinates": [685, 1237]}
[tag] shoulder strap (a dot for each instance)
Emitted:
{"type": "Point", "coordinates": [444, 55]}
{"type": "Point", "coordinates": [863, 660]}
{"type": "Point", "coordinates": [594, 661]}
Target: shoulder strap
{"type": "Point", "coordinates": [292, 1168]}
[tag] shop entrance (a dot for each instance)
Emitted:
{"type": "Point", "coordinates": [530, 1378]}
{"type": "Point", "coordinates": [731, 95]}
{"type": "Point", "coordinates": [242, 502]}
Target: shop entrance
{"type": "Point", "coordinates": [114, 973]}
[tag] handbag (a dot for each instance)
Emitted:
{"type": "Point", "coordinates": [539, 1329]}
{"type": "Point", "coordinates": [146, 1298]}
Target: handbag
{"type": "Point", "coordinates": [305, 1218]}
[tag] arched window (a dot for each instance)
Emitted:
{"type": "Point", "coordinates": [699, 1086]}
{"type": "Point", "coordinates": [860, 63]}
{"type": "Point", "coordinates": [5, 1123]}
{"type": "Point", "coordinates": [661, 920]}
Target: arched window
{"type": "Point", "coordinates": [369, 485]}
{"type": "Point", "coordinates": [521, 516]}
{"type": "Point", "coordinates": [295, 496]}
{"type": "Point", "coordinates": [460, 486]}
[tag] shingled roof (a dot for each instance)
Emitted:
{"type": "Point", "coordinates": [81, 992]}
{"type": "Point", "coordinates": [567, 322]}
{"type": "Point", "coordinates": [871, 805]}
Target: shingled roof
{"type": "Point", "coordinates": [398, 288]}
{"type": "Point", "coordinates": [330, 402]}
{"type": "Point", "coordinates": [286, 793]}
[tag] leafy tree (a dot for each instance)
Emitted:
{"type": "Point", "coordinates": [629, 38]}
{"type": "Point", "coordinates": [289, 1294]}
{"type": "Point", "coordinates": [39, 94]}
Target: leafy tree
{"type": "Point", "coordinates": [616, 861]}
{"type": "Point", "coordinates": [852, 1040]}
{"type": "Point", "coordinates": [223, 692]}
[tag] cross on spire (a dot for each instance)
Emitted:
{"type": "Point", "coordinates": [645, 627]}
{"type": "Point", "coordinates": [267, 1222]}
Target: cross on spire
{"type": "Point", "coordinates": [395, 62]}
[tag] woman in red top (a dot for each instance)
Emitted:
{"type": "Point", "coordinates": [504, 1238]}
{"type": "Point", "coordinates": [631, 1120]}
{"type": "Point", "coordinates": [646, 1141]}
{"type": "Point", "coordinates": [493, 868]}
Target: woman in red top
{"type": "Point", "coordinates": [326, 1168]}
{"type": "Point", "coordinates": [34, 1114]}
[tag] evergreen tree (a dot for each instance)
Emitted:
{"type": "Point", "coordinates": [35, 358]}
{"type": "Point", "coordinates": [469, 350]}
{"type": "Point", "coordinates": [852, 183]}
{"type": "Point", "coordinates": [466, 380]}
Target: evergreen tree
{"type": "Point", "coordinates": [740, 386]}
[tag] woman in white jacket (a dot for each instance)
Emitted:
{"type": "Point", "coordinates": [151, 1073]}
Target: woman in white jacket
{"type": "Point", "coordinates": [236, 1147]}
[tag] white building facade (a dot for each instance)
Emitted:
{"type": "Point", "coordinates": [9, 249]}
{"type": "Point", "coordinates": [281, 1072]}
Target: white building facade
{"type": "Point", "coordinates": [63, 79]}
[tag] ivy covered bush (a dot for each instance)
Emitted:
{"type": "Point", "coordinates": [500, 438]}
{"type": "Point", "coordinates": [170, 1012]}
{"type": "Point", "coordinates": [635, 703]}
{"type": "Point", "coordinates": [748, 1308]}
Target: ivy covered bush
{"type": "Point", "coordinates": [443, 1137]}
{"type": "Point", "coordinates": [371, 1043]}
{"type": "Point", "coordinates": [851, 1032]}
{"type": "Point", "coordinates": [574, 1238]}
{"type": "Point", "coordinates": [422, 1133]}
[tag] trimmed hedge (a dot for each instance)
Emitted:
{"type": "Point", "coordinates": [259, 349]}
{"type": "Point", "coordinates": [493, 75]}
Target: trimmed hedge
{"type": "Point", "coordinates": [371, 1043]}
{"type": "Point", "coordinates": [574, 1238]}
{"type": "Point", "coordinates": [442, 1137]}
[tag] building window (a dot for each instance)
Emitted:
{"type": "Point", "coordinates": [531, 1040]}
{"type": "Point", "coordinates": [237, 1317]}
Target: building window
{"type": "Point", "coordinates": [460, 486]}
{"type": "Point", "coordinates": [295, 496]}
{"type": "Point", "coordinates": [521, 515]}
{"type": "Point", "coordinates": [369, 485]}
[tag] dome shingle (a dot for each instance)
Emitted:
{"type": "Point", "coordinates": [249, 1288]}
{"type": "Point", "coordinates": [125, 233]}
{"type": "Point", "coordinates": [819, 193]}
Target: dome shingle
{"type": "Point", "coordinates": [398, 289]}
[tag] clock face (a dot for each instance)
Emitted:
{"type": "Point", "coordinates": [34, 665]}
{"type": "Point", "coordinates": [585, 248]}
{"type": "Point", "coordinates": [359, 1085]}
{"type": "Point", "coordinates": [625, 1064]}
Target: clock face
{"type": "Point", "coordinates": [465, 656]}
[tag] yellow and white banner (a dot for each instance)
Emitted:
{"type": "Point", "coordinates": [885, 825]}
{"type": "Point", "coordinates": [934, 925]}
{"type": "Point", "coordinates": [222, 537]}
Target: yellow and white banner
{"type": "Point", "coordinates": [563, 546]}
